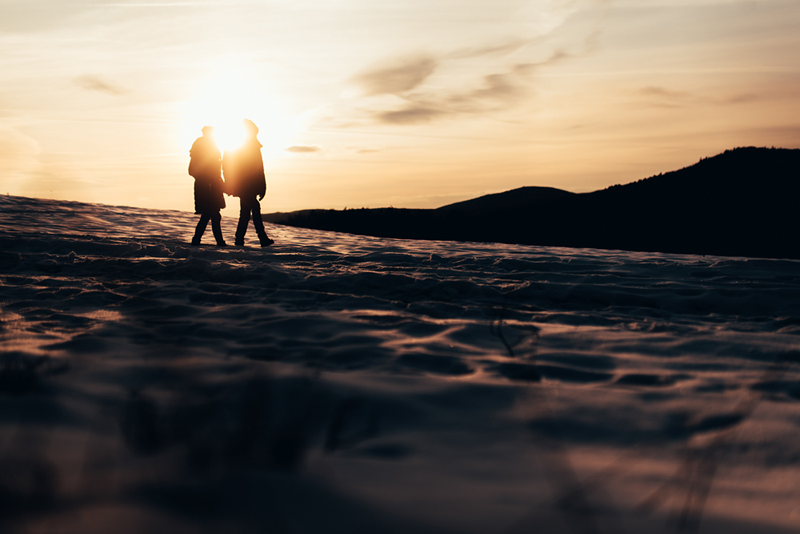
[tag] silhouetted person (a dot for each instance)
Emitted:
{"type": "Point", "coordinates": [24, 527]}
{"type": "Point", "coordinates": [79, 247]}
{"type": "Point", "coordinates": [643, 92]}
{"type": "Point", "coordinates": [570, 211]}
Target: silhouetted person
{"type": "Point", "coordinates": [243, 169]}
{"type": "Point", "coordinates": [205, 167]}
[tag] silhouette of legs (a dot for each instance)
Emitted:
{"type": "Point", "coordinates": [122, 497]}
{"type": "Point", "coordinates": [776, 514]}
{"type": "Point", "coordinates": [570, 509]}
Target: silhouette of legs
{"type": "Point", "coordinates": [216, 228]}
{"type": "Point", "coordinates": [258, 222]}
{"type": "Point", "coordinates": [201, 228]}
{"type": "Point", "coordinates": [251, 205]}
{"type": "Point", "coordinates": [244, 220]}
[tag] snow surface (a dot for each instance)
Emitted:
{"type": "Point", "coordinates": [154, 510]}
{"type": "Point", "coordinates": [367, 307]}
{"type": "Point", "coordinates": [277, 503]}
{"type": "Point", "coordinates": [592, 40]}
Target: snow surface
{"type": "Point", "coordinates": [339, 383]}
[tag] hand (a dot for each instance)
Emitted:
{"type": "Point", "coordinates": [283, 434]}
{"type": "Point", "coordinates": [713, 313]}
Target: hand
{"type": "Point", "coordinates": [260, 198]}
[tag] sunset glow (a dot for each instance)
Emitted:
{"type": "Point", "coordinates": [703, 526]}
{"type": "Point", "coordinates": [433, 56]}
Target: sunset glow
{"type": "Point", "coordinates": [399, 266]}
{"type": "Point", "coordinates": [229, 95]}
{"type": "Point", "coordinates": [410, 103]}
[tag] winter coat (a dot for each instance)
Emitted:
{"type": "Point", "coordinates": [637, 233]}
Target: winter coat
{"type": "Point", "coordinates": [205, 167]}
{"type": "Point", "coordinates": [243, 169]}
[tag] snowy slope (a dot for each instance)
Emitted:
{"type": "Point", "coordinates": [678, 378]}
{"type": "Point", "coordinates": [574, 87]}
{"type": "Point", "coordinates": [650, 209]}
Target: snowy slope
{"type": "Point", "coordinates": [339, 383]}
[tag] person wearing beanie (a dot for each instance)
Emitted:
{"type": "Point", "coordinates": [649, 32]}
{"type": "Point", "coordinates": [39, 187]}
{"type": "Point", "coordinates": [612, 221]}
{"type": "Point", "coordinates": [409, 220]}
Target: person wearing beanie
{"type": "Point", "coordinates": [204, 166]}
{"type": "Point", "coordinates": [243, 170]}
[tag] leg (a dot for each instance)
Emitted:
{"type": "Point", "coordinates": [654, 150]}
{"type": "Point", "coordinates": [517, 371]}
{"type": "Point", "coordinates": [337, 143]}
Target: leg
{"type": "Point", "coordinates": [216, 218]}
{"type": "Point", "coordinates": [201, 228]}
{"type": "Point", "coordinates": [244, 220]}
{"type": "Point", "coordinates": [259, 224]}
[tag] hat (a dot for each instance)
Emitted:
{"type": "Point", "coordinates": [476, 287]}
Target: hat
{"type": "Point", "coordinates": [250, 126]}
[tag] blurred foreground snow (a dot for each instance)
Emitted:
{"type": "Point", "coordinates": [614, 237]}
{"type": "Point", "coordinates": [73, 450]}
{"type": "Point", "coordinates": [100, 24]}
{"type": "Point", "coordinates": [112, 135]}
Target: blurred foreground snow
{"type": "Point", "coordinates": [339, 383]}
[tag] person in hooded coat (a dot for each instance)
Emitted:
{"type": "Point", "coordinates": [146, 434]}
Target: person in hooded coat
{"type": "Point", "coordinates": [205, 167]}
{"type": "Point", "coordinates": [243, 169]}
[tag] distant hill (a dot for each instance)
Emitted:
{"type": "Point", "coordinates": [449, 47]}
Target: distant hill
{"type": "Point", "coordinates": [743, 202]}
{"type": "Point", "coordinates": [519, 198]}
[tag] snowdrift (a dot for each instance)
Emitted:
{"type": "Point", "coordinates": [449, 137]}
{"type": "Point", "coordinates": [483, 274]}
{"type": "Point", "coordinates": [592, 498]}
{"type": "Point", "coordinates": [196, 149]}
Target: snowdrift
{"type": "Point", "coordinates": [337, 383]}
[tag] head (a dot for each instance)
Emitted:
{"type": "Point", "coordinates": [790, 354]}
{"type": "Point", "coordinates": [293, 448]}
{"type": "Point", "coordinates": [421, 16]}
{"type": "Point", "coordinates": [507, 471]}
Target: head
{"type": "Point", "coordinates": [250, 127]}
{"type": "Point", "coordinates": [208, 131]}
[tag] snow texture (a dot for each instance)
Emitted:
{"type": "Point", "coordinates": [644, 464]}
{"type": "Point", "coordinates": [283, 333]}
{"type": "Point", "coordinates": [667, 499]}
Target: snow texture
{"type": "Point", "coordinates": [339, 383]}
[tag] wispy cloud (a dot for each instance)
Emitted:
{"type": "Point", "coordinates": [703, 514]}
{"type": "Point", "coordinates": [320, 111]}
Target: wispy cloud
{"type": "Point", "coordinates": [658, 96]}
{"type": "Point", "coordinates": [94, 83]}
{"type": "Point", "coordinates": [742, 98]}
{"type": "Point", "coordinates": [529, 68]}
{"type": "Point", "coordinates": [500, 88]}
{"type": "Point", "coordinates": [662, 92]}
{"type": "Point", "coordinates": [489, 50]}
{"type": "Point", "coordinates": [412, 113]}
{"type": "Point", "coordinates": [303, 149]}
{"type": "Point", "coordinates": [491, 92]}
{"type": "Point", "coordinates": [399, 77]}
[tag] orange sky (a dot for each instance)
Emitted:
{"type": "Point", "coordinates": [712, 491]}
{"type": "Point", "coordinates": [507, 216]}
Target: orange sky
{"type": "Point", "coordinates": [409, 103]}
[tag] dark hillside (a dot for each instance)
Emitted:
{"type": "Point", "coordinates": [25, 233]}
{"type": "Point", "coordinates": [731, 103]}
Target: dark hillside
{"type": "Point", "coordinates": [520, 198]}
{"type": "Point", "coordinates": [742, 202]}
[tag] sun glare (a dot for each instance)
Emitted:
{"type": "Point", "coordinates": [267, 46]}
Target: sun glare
{"type": "Point", "coordinates": [227, 98]}
{"type": "Point", "coordinates": [229, 133]}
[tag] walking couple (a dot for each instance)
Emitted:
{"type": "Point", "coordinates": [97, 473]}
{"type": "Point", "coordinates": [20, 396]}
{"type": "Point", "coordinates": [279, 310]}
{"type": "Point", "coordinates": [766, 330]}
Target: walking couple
{"type": "Point", "coordinates": [243, 170]}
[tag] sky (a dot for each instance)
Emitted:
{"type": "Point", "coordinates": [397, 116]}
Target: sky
{"type": "Point", "coordinates": [404, 103]}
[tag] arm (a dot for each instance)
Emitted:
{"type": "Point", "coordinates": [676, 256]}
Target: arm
{"type": "Point", "coordinates": [262, 179]}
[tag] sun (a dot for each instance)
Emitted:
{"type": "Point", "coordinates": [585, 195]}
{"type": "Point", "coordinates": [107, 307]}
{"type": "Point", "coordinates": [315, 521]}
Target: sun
{"type": "Point", "coordinates": [229, 96]}
{"type": "Point", "coordinates": [228, 133]}
{"type": "Point", "coordinates": [218, 102]}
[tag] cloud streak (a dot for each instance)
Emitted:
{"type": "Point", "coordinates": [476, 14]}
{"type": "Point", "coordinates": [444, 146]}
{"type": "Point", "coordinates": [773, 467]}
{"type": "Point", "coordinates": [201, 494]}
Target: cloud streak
{"type": "Point", "coordinates": [662, 92]}
{"type": "Point", "coordinates": [303, 149]}
{"type": "Point", "coordinates": [94, 83]}
{"type": "Point", "coordinates": [396, 78]}
{"type": "Point", "coordinates": [662, 97]}
{"type": "Point", "coordinates": [491, 92]}
{"type": "Point", "coordinates": [413, 113]}
{"type": "Point", "coordinates": [490, 50]}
